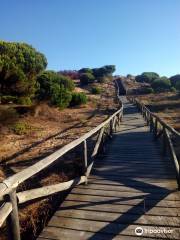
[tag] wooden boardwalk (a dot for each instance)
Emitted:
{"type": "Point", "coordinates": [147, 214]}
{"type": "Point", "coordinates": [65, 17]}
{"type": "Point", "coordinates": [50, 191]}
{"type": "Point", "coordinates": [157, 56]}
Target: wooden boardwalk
{"type": "Point", "coordinates": [131, 186]}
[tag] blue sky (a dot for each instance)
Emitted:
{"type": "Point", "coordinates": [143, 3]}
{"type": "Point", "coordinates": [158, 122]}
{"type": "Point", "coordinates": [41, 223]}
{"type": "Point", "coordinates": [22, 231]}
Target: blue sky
{"type": "Point", "coordinates": [135, 35]}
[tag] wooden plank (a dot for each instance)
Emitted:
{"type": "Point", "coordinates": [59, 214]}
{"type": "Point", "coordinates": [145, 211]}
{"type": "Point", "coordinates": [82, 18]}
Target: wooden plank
{"type": "Point", "coordinates": [105, 207]}
{"type": "Point", "coordinates": [105, 227]}
{"type": "Point", "coordinates": [61, 233]}
{"type": "Point", "coordinates": [169, 185]}
{"type": "Point", "coordinates": [13, 226]}
{"type": "Point", "coordinates": [118, 217]}
{"type": "Point", "coordinates": [171, 196]}
{"type": "Point", "coordinates": [120, 188]}
{"type": "Point", "coordinates": [5, 210]}
{"type": "Point", "coordinates": [48, 190]}
{"type": "Point", "coordinates": [122, 201]}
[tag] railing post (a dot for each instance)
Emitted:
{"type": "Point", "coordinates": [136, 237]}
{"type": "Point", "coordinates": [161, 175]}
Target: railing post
{"type": "Point", "coordinates": [155, 128]}
{"type": "Point", "coordinates": [85, 159]}
{"type": "Point", "coordinates": [151, 123]}
{"type": "Point", "coordinates": [111, 128]}
{"type": "Point", "coordinates": [13, 226]}
{"type": "Point", "coordinates": [164, 141]}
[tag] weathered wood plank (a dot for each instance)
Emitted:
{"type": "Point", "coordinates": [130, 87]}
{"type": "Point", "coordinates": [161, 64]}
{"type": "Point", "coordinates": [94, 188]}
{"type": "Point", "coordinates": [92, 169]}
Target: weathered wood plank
{"type": "Point", "coordinates": [131, 185]}
{"type": "Point", "coordinates": [105, 227]}
{"type": "Point", "coordinates": [120, 217]}
{"type": "Point", "coordinates": [48, 190]}
{"type": "Point", "coordinates": [5, 210]}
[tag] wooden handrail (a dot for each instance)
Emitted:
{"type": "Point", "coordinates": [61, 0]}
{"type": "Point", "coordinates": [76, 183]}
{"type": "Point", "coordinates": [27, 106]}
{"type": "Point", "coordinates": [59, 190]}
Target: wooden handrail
{"type": "Point", "coordinates": [8, 187]}
{"type": "Point", "coordinates": [163, 123]}
{"type": "Point", "coordinates": [165, 132]}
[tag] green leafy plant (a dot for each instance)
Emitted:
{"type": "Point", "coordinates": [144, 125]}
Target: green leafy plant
{"type": "Point", "coordinates": [19, 65]}
{"type": "Point", "coordinates": [60, 96]}
{"type": "Point", "coordinates": [8, 99]}
{"type": "Point", "coordinates": [21, 128]}
{"type": "Point", "coordinates": [86, 78]}
{"type": "Point", "coordinates": [161, 84]}
{"type": "Point", "coordinates": [24, 101]}
{"type": "Point", "coordinates": [96, 90]}
{"type": "Point", "coordinates": [78, 99]}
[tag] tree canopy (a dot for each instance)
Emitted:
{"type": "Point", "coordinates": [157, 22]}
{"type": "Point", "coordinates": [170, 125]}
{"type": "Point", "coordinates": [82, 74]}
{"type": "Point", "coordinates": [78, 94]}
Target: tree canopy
{"type": "Point", "coordinates": [147, 77]}
{"type": "Point", "coordinates": [175, 79]}
{"type": "Point", "coordinates": [19, 65]}
{"type": "Point", "coordinates": [161, 84]}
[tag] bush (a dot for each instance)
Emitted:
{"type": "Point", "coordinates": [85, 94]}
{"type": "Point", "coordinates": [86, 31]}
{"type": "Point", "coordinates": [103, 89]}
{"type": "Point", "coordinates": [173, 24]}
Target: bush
{"type": "Point", "coordinates": [21, 128]}
{"type": "Point", "coordinates": [173, 89]}
{"type": "Point", "coordinates": [96, 90]}
{"type": "Point", "coordinates": [86, 78]}
{"type": "Point", "coordinates": [48, 79]}
{"type": "Point", "coordinates": [19, 65]}
{"type": "Point", "coordinates": [175, 79]}
{"type": "Point", "coordinates": [24, 101]}
{"type": "Point", "coordinates": [56, 88]}
{"type": "Point", "coordinates": [60, 96]}
{"type": "Point", "coordinates": [148, 90]}
{"type": "Point", "coordinates": [177, 86]}
{"type": "Point", "coordinates": [161, 84]}
{"type": "Point", "coordinates": [147, 77]}
{"type": "Point", "coordinates": [78, 99]}
{"type": "Point", "coordinates": [8, 99]}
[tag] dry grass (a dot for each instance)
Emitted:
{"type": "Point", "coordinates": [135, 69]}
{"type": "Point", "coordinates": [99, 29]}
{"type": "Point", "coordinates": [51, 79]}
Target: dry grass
{"type": "Point", "coordinates": [50, 130]}
{"type": "Point", "coordinates": [166, 105]}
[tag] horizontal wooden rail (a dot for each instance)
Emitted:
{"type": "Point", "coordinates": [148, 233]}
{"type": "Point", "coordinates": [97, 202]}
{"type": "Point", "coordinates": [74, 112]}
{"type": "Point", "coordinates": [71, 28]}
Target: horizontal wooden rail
{"type": "Point", "coordinates": [144, 109]}
{"type": "Point", "coordinates": [161, 129]}
{"type": "Point", "coordinates": [16, 179]}
{"type": "Point", "coordinates": [28, 195]}
{"type": "Point", "coordinates": [9, 210]}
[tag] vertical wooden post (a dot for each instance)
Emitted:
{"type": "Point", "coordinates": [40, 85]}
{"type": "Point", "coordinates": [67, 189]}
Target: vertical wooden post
{"type": "Point", "coordinates": [151, 123]}
{"type": "Point", "coordinates": [13, 227]}
{"type": "Point", "coordinates": [155, 128]}
{"type": "Point", "coordinates": [111, 129]}
{"type": "Point", "coordinates": [85, 159]}
{"type": "Point", "coordinates": [121, 116]}
{"type": "Point", "coordinates": [164, 141]}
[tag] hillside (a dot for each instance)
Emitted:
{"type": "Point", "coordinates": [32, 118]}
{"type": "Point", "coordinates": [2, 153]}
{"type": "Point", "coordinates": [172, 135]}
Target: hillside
{"type": "Point", "coordinates": [48, 129]}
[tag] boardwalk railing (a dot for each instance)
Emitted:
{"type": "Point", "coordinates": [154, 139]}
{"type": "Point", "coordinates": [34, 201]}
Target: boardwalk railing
{"type": "Point", "coordinates": [9, 196]}
{"type": "Point", "coordinates": [161, 130]}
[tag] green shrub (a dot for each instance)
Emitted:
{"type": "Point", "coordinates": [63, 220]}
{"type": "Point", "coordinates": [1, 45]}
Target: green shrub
{"type": "Point", "coordinates": [173, 89]}
{"type": "Point", "coordinates": [96, 90]}
{"type": "Point", "coordinates": [19, 65]}
{"type": "Point", "coordinates": [175, 79]}
{"type": "Point", "coordinates": [148, 77]}
{"type": "Point", "coordinates": [177, 85]}
{"type": "Point", "coordinates": [148, 90]}
{"type": "Point", "coordinates": [24, 101]}
{"type": "Point", "coordinates": [60, 96]}
{"type": "Point", "coordinates": [161, 84]}
{"type": "Point", "coordinates": [78, 99]}
{"type": "Point", "coordinates": [8, 99]}
{"type": "Point", "coordinates": [86, 78]}
{"type": "Point", "coordinates": [56, 88]}
{"type": "Point", "coordinates": [20, 128]}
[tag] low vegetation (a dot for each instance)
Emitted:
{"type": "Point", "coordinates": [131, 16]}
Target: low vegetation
{"type": "Point", "coordinates": [159, 84]}
{"type": "Point", "coordinates": [160, 94]}
{"type": "Point", "coordinates": [96, 90]}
